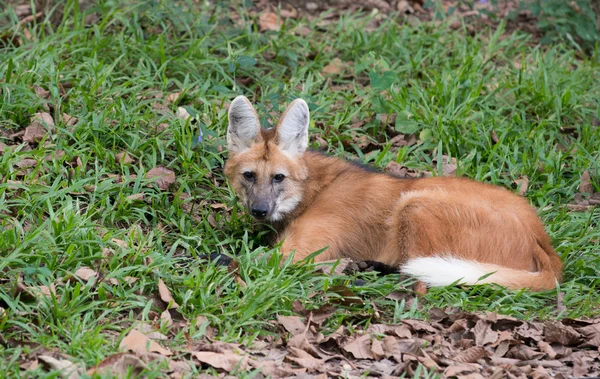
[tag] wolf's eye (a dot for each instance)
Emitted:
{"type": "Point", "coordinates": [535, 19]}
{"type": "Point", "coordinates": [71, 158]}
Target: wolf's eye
{"type": "Point", "coordinates": [249, 175]}
{"type": "Point", "coordinates": [278, 178]}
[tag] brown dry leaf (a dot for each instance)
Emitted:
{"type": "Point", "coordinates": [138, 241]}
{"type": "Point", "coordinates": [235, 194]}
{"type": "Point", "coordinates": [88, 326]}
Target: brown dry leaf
{"type": "Point", "coordinates": [120, 243]}
{"type": "Point", "coordinates": [547, 349]}
{"type": "Point", "coordinates": [67, 368]}
{"type": "Point", "coordinates": [591, 335]}
{"type": "Point", "coordinates": [227, 361]}
{"type": "Point", "coordinates": [119, 365]}
{"type": "Point", "coordinates": [44, 118]}
{"type": "Point", "coordinates": [85, 273]}
{"type": "Point", "coordinates": [34, 133]}
{"type": "Point", "coordinates": [183, 114]}
{"type": "Point", "coordinates": [165, 317]}
{"type": "Point", "coordinates": [165, 295]}
{"type": "Point", "coordinates": [124, 158]}
{"type": "Point", "coordinates": [172, 97]}
{"type": "Point", "coordinates": [269, 21]}
{"type": "Point", "coordinates": [26, 163]}
{"type": "Point", "coordinates": [471, 355]}
{"type": "Point", "coordinates": [310, 363]}
{"type": "Point", "coordinates": [581, 367]}
{"type": "Point", "coordinates": [333, 68]}
{"type": "Point", "coordinates": [360, 347]}
{"type": "Point", "coordinates": [563, 334]}
{"type": "Point", "coordinates": [165, 177]}
{"type": "Point", "coordinates": [322, 313]}
{"type": "Point", "coordinates": [420, 288]}
{"type": "Point", "coordinates": [397, 330]}
{"type": "Point", "coordinates": [418, 325]}
{"type": "Point", "coordinates": [494, 136]}
{"type": "Point", "coordinates": [42, 291]}
{"type": "Point", "coordinates": [524, 353]}
{"type": "Point", "coordinates": [523, 184]}
{"type": "Point", "coordinates": [585, 185]}
{"type": "Point", "coordinates": [484, 334]}
{"type": "Point", "coordinates": [448, 166]}
{"type": "Point", "coordinates": [140, 343]}
{"type": "Point", "coordinates": [293, 324]}
{"type": "Point", "coordinates": [301, 31]}
{"type": "Point", "coordinates": [136, 197]}
{"type": "Point", "coordinates": [69, 120]}
{"type": "Point", "coordinates": [346, 296]}
{"type": "Point", "coordinates": [460, 369]}
{"type": "Point", "coordinates": [396, 169]}
{"type": "Point", "coordinates": [39, 91]}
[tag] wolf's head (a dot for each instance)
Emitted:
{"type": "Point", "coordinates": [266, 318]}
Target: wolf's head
{"type": "Point", "coordinates": [265, 166]}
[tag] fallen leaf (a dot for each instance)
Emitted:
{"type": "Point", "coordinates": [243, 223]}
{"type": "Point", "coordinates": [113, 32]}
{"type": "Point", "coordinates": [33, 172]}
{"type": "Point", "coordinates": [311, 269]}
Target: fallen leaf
{"type": "Point", "coordinates": [418, 325]}
{"type": "Point", "coordinates": [165, 177]}
{"type": "Point", "coordinates": [333, 68]}
{"type": "Point", "coordinates": [396, 169]}
{"type": "Point", "coordinates": [524, 353]}
{"type": "Point", "coordinates": [225, 361]}
{"type": "Point", "coordinates": [293, 324]}
{"type": "Point", "coordinates": [44, 118]}
{"type": "Point", "coordinates": [136, 197]}
{"type": "Point", "coordinates": [124, 158]}
{"type": "Point", "coordinates": [563, 334]}
{"type": "Point", "coordinates": [165, 317]}
{"type": "Point", "coordinates": [484, 334]}
{"type": "Point", "coordinates": [139, 343]}
{"type": "Point", "coordinates": [165, 295]}
{"type": "Point", "coordinates": [448, 166]}
{"type": "Point", "coordinates": [585, 184]}
{"type": "Point", "coordinates": [85, 273]}
{"type": "Point", "coordinates": [69, 120]}
{"type": "Point", "coordinates": [182, 114]}
{"type": "Point", "coordinates": [547, 349]}
{"type": "Point", "coordinates": [360, 347]}
{"type": "Point", "coordinates": [463, 368]}
{"type": "Point", "coordinates": [494, 136]}
{"type": "Point", "coordinates": [471, 355]}
{"type": "Point", "coordinates": [523, 184]}
{"type": "Point", "coordinates": [591, 335]}
{"type": "Point", "coordinates": [581, 367]}
{"type": "Point", "coordinates": [67, 368]}
{"type": "Point", "coordinates": [397, 330]}
{"type": "Point", "coordinates": [119, 365]}
{"type": "Point", "coordinates": [345, 296]}
{"type": "Point", "coordinates": [172, 97]}
{"type": "Point", "coordinates": [26, 163]}
{"type": "Point", "coordinates": [39, 91]}
{"type": "Point", "coordinates": [35, 133]}
{"type": "Point", "coordinates": [269, 21]}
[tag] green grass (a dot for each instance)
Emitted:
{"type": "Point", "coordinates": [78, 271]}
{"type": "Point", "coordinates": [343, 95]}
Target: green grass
{"type": "Point", "coordinates": [451, 88]}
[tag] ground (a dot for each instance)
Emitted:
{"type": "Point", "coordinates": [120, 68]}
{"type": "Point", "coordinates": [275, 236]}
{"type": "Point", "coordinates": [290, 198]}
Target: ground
{"type": "Point", "coordinates": [112, 126]}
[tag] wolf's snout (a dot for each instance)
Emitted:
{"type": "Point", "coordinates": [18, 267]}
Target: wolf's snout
{"type": "Point", "coordinates": [259, 211]}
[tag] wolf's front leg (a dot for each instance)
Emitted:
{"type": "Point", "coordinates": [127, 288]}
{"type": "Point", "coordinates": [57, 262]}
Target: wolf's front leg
{"type": "Point", "coordinates": [305, 243]}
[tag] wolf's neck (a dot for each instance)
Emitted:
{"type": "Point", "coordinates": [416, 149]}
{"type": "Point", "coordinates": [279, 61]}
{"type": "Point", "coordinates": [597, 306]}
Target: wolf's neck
{"type": "Point", "coordinates": [322, 172]}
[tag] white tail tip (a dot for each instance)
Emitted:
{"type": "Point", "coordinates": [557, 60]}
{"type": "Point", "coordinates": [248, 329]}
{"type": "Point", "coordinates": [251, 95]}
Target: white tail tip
{"type": "Point", "coordinates": [443, 271]}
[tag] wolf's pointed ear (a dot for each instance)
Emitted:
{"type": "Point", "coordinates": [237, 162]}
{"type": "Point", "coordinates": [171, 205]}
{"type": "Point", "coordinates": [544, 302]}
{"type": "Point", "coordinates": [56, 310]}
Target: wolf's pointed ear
{"type": "Point", "coordinates": [292, 130]}
{"type": "Point", "coordinates": [244, 127]}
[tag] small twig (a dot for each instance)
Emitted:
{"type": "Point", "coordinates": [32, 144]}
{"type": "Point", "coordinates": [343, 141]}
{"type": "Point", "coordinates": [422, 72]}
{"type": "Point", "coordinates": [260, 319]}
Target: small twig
{"type": "Point", "coordinates": [30, 18]}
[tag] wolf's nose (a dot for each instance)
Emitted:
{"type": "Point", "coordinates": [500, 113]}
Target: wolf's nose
{"type": "Point", "coordinates": [259, 212]}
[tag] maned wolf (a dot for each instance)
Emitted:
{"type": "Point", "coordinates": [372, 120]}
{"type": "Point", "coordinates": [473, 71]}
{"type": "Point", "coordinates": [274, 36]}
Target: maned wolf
{"type": "Point", "coordinates": [440, 230]}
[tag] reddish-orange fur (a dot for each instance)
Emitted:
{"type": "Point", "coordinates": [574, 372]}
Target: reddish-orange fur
{"type": "Point", "coordinates": [367, 215]}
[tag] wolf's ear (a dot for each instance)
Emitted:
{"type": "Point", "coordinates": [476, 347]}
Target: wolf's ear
{"type": "Point", "coordinates": [244, 127]}
{"type": "Point", "coordinates": [292, 130]}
